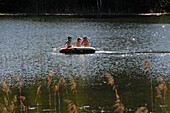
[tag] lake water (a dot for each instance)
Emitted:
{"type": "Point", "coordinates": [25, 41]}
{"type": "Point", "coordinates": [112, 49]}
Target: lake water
{"type": "Point", "coordinates": [122, 44]}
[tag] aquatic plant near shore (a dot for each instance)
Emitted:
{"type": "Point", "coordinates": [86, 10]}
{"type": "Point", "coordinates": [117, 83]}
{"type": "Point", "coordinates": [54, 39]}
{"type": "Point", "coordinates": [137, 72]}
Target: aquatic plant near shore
{"type": "Point", "coordinates": [56, 88]}
{"type": "Point", "coordinates": [38, 95]}
{"type": "Point", "coordinates": [5, 87]}
{"type": "Point", "coordinates": [147, 65]}
{"type": "Point", "coordinates": [49, 83]}
{"type": "Point", "coordinates": [70, 106]}
{"type": "Point", "coordinates": [73, 85]}
{"type": "Point", "coordinates": [9, 103]}
{"type": "Point", "coordinates": [22, 98]}
{"type": "Point", "coordinates": [161, 90]}
{"type": "Point", "coordinates": [49, 78]}
{"type": "Point", "coordinates": [8, 106]}
{"type": "Point", "coordinates": [73, 88]}
{"type": "Point", "coordinates": [119, 106]}
{"type": "Point", "coordinates": [161, 87]}
{"type": "Point", "coordinates": [60, 82]}
{"type": "Point", "coordinates": [110, 79]}
{"type": "Point", "coordinates": [142, 110]}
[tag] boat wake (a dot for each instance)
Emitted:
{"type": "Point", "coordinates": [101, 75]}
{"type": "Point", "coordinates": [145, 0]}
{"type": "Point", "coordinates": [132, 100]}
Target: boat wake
{"type": "Point", "coordinates": [135, 52]}
{"type": "Point", "coordinates": [124, 53]}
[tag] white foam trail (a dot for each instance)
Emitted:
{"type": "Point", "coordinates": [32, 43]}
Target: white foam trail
{"type": "Point", "coordinates": [106, 52]}
{"type": "Point", "coordinates": [134, 52]}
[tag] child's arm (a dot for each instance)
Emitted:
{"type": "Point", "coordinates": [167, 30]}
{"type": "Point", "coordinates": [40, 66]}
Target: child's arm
{"type": "Point", "coordinates": [75, 44]}
{"type": "Point", "coordinates": [65, 44]}
{"type": "Point", "coordinates": [82, 43]}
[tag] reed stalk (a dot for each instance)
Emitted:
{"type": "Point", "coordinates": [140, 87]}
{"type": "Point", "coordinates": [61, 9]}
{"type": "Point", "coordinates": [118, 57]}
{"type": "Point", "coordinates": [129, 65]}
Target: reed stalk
{"type": "Point", "coordinates": [147, 65]}
{"type": "Point", "coordinates": [8, 104]}
{"type": "Point", "coordinates": [119, 106]}
{"type": "Point", "coordinates": [59, 101]}
{"type": "Point", "coordinates": [38, 95]}
{"type": "Point", "coordinates": [73, 88]}
{"type": "Point", "coordinates": [55, 97]}
{"type": "Point", "coordinates": [56, 88]}
{"type": "Point", "coordinates": [5, 88]}
{"type": "Point", "coordinates": [73, 85]}
{"type": "Point", "coordinates": [20, 95]}
{"type": "Point", "coordinates": [49, 83]}
{"type": "Point", "coordinates": [162, 88]}
{"type": "Point", "coordinates": [49, 79]}
{"type": "Point", "coordinates": [151, 95]}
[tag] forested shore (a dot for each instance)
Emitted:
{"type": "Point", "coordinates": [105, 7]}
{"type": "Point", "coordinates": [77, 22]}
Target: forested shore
{"type": "Point", "coordinates": [110, 7]}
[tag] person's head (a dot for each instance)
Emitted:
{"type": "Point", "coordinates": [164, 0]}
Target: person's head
{"type": "Point", "coordinates": [69, 38]}
{"type": "Point", "coordinates": [78, 39]}
{"type": "Point", "coordinates": [85, 38]}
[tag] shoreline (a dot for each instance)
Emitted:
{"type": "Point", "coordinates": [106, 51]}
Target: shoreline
{"type": "Point", "coordinates": [97, 14]}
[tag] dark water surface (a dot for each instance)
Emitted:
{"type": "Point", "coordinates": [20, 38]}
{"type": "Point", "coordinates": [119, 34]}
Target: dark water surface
{"type": "Point", "coordinates": [26, 49]}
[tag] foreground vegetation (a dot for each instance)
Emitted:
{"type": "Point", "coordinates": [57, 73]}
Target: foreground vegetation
{"type": "Point", "coordinates": [17, 102]}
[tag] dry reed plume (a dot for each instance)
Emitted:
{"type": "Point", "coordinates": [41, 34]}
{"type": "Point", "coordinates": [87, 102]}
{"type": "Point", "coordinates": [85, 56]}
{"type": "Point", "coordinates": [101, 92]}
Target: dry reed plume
{"type": "Point", "coordinates": [73, 85]}
{"type": "Point", "coordinates": [147, 65]}
{"type": "Point", "coordinates": [73, 88]}
{"type": "Point", "coordinates": [55, 97]}
{"type": "Point", "coordinates": [142, 110]}
{"type": "Point", "coordinates": [161, 88]}
{"type": "Point", "coordinates": [119, 106]}
{"type": "Point", "coordinates": [22, 98]}
{"type": "Point", "coordinates": [9, 104]}
{"type": "Point", "coordinates": [110, 79]}
{"type": "Point", "coordinates": [16, 78]}
{"type": "Point", "coordinates": [56, 88]}
{"type": "Point", "coordinates": [61, 81]}
{"type": "Point", "coordinates": [70, 106]}
{"type": "Point", "coordinates": [50, 78]}
{"type": "Point", "coordinates": [5, 87]}
{"type": "Point", "coordinates": [54, 84]}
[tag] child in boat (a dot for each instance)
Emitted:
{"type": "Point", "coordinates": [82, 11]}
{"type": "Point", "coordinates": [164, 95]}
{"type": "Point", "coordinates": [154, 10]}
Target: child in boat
{"type": "Point", "coordinates": [85, 42]}
{"type": "Point", "coordinates": [69, 42]}
{"type": "Point", "coordinates": [78, 43]}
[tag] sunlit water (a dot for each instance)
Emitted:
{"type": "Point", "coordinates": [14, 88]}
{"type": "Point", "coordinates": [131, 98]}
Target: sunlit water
{"type": "Point", "coordinates": [26, 49]}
